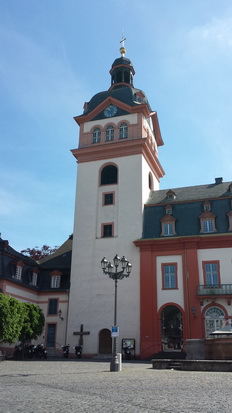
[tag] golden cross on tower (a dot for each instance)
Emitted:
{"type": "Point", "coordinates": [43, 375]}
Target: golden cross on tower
{"type": "Point", "coordinates": [122, 48]}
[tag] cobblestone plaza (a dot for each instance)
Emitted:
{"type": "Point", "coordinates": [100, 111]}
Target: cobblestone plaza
{"type": "Point", "coordinates": [87, 386]}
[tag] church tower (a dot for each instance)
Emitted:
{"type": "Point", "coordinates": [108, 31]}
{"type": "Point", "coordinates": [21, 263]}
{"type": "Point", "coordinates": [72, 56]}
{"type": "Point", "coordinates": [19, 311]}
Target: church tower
{"type": "Point", "coordinates": [118, 166]}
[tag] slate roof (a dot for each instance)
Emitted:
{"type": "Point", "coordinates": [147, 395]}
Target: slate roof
{"type": "Point", "coordinates": [11, 252]}
{"type": "Point", "coordinates": [187, 207]}
{"type": "Point", "coordinates": [60, 260]}
{"type": "Point", "coordinates": [122, 61]}
{"type": "Point", "coordinates": [191, 193]}
{"type": "Point", "coordinates": [124, 94]}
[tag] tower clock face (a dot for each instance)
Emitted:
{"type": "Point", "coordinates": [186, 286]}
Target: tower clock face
{"type": "Point", "coordinates": [110, 111]}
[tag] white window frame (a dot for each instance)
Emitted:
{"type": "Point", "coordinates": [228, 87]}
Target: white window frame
{"type": "Point", "coordinates": [110, 133]}
{"type": "Point", "coordinates": [34, 279]}
{"type": "Point", "coordinates": [169, 276]}
{"type": "Point", "coordinates": [18, 272]}
{"type": "Point", "coordinates": [208, 225]}
{"type": "Point", "coordinates": [168, 228]}
{"type": "Point", "coordinates": [55, 281]}
{"type": "Point", "coordinates": [123, 131]}
{"type": "Point", "coordinates": [96, 135]}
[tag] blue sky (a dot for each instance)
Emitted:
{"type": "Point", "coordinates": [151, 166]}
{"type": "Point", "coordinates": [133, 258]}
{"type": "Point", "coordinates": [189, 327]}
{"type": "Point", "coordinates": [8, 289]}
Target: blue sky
{"type": "Point", "coordinates": [56, 54]}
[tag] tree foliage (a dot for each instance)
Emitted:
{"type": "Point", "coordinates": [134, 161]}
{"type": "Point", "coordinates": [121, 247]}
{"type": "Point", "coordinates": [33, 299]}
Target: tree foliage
{"type": "Point", "coordinates": [19, 321]}
{"type": "Point", "coordinates": [38, 253]}
{"type": "Point", "coordinates": [11, 318]}
{"type": "Point", "coordinates": [33, 322]}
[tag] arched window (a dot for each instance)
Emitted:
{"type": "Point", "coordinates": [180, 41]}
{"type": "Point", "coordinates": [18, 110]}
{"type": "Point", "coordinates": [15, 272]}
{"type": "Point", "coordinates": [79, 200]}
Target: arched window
{"type": "Point", "coordinates": [126, 77]}
{"type": "Point", "coordinates": [109, 175]}
{"type": "Point", "coordinates": [119, 76]}
{"type": "Point", "coordinates": [123, 131]}
{"type": "Point", "coordinates": [96, 135]}
{"type": "Point", "coordinates": [214, 320]}
{"type": "Point", "coordinates": [110, 133]}
{"type": "Point", "coordinates": [150, 181]}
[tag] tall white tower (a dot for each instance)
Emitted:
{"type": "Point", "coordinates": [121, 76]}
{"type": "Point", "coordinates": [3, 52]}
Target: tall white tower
{"type": "Point", "coordinates": [117, 167]}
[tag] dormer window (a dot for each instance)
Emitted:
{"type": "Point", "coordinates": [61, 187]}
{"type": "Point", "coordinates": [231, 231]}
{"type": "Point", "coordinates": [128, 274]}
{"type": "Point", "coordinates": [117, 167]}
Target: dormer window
{"type": "Point", "coordinates": [207, 206]}
{"type": "Point", "coordinates": [55, 282]}
{"type": "Point", "coordinates": [18, 271]}
{"type": "Point", "coordinates": [207, 221]}
{"type": "Point", "coordinates": [168, 226]}
{"type": "Point", "coordinates": [34, 277]}
{"type": "Point", "coordinates": [55, 279]}
{"type": "Point", "coordinates": [170, 194]}
{"type": "Point", "coordinates": [230, 187]}
{"type": "Point", "coordinates": [168, 209]}
{"type": "Point", "coordinates": [96, 135]}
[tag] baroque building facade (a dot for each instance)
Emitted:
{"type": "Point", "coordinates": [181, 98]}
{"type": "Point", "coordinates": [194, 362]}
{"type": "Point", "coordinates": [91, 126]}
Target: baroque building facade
{"type": "Point", "coordinates": [179, 241]}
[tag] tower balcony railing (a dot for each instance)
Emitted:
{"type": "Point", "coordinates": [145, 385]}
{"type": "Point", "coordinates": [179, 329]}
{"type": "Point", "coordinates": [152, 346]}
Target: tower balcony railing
{"type": "Point", "coordinates": [220, 289]}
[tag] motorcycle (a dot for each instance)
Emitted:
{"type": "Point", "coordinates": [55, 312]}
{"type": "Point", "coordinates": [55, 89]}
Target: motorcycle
{"type": "Point", "coordinates": [40, 351]}
{"type": "Point", "coordinates": [18, 352]}
{"type": "Point", "coordinates": [29, 351]}
{"type": "Point", "coordinates": [127, 353]}
{"type": "Point", "coordinates": [78, 351]}
{"type": "Point", "coordinates": [65, 350]}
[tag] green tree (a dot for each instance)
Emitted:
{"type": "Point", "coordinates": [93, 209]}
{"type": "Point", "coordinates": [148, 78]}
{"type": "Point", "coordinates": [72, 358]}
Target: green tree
{"type": "Point", "coordinates": [12, 315]}
{"type": "Point", "coordinates": [33, 323]}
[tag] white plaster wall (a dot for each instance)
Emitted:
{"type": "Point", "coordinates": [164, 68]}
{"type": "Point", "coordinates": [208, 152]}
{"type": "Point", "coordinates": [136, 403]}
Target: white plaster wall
{"type": "Point", "coordinates": [167, 296]}
{"type": "Point", "coordinates": [92, 292]}
{"type": "Point", "coordinates": [24, 295]}
{"type": "Point", "coordinates": [224, 255]}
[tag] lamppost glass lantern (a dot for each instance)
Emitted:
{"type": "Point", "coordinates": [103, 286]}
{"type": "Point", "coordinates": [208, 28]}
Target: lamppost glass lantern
{"type": "Point", "coordinates": [113, 272]}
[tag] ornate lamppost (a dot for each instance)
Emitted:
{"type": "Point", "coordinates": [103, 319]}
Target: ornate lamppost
{"type": "Point", "coordinates": [116, 274]}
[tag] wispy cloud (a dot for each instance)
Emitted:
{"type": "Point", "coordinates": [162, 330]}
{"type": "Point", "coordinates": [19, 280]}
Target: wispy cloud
{"type": "Point", "coordinates": [35, 77]}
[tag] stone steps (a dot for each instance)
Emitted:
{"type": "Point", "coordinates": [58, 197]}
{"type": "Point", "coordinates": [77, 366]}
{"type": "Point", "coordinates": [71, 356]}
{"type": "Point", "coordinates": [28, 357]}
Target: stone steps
{"type": "Point", "coordinates": [174, 365]}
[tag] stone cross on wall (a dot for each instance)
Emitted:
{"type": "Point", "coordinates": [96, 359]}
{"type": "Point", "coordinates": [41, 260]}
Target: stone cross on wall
{"type": "Point", "coordinates": [81, 333]}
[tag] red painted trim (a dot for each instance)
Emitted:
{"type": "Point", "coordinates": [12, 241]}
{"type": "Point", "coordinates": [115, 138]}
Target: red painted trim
{"type": "Point", "coordinates": [206, 241]}
{"type": "Point", "coordinates": [142, 108]}
{"type": "Point", "coordinates": [215, 305]}
{"type": "Point", "coordinates": [55, 273]}
{"type": "Point", "coordinates": [124, 147]}
{"type": "Point", "coordinates": [150, 334]}
{"type": "Point", "coordinates": [102, 229]}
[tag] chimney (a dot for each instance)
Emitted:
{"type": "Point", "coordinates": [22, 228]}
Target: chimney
{"type": "Point", "coordinates": [218, 180]}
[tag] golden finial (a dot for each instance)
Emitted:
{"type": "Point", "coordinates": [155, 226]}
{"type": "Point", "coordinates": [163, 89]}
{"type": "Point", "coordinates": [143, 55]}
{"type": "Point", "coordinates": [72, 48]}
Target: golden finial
{"type": "Point", "coordinates": [122, 48]}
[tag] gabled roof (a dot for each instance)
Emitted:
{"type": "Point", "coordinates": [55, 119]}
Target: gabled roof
{"type": "Point", "coordinates": [61, 258]}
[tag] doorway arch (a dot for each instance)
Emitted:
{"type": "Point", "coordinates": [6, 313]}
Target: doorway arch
{"type": "Point", "coordinates": [171, 328]}
{"type": "Point", "coordinates": [105, 341]}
